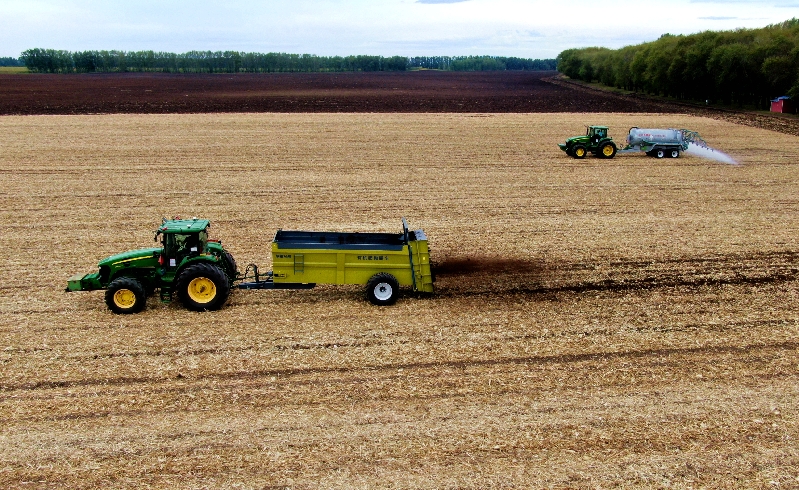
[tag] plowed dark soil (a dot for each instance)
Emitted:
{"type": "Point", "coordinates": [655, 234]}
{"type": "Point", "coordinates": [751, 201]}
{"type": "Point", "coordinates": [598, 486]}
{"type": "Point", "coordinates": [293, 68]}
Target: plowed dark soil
{"type": "Point", "coordinates": [418, 91]}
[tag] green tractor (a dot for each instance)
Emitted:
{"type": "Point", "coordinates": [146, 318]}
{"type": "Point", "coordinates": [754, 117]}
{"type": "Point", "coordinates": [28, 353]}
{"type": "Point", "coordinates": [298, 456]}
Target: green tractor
{"type": "Point", "coordinates": [595, 140]}
{"type": "Point", "coordinates": [199, 270]}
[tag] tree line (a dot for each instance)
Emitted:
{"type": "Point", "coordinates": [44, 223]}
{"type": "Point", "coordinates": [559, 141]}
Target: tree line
{"type": "Point", "coordinates": [60, 61]}
{"type": "Point", "coordinates": [744, 66]}
{"type": "Point", "coordinates": [480, 63]}
{"type": "Point", "coordinates": [7, 61]}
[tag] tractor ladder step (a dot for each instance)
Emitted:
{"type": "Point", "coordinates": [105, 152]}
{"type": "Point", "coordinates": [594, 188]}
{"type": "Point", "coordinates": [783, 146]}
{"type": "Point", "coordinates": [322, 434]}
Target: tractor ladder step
{"type": "Point", "coordinates": [166, 294]}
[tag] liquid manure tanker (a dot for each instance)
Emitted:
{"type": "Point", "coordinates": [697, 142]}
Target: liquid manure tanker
{"type": "Point", "coordinates": [658, 143]}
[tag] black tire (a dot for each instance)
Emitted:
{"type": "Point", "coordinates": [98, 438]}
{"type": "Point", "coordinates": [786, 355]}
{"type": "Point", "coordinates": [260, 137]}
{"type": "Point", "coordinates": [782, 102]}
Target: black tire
{"type": "Point", "coordinates": [232, 268]}
{"type": "Point", "coordinates": [608, 150]}
{"type": "Point", "coordinates": [382, 289]}
{"type": "Point", "coordinates": [125, 295]}
{"type": "Point", "coordinates": [203, 287]}
{"type": "Point", "coordinates": [579, 151]}
{"type": "Point", "coordinates": [674, 153]}
{"type": "Point", "coordinates": [659, 153]}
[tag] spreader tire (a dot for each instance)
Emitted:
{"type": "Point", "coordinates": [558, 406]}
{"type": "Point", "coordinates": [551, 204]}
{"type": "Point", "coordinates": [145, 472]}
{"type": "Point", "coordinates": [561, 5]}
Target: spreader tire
{"type": "Point", "coordinates": [203, 287]}
{"type": "Point", "coordinates": [660, 153]}
{"type": "Point", "coordinates": [674, 153]}
{"type": "Point", "coordinates": [382, 289]}
{"type": "Point", "coordinates": [608, 150]}
{"type": "Point", "coordinates": [125, 295]}
{"type": "Point", "coordinates": [579, 151]}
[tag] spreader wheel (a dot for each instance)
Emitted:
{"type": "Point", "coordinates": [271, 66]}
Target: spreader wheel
{"type": "Point", "coordinates": [579, 151]}
{"type": "Point", "coordinates": [675, 153]}
{"type": "Point", "coordinates": [660, 153]}
{"type": "Point", "coordinates": [382, 289]}
{"type": "Point", "coordinates": [203, 287]}
{"type": "Point", "coordinates": [125, 295]}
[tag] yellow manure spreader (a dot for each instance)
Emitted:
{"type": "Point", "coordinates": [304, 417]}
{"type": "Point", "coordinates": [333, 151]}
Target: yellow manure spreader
{"type": "Point", "coordinates": [382, 261]}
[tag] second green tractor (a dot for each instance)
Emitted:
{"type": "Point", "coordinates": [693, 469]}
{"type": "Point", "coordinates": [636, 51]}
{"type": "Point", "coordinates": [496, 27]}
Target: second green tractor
{"type": "Point", "coordinates": [595, 140]}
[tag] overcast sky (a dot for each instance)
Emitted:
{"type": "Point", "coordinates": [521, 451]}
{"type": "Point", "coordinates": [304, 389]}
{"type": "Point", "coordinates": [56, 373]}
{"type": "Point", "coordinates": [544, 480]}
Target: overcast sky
{"type": "Point", "coordinates": [523, 28]}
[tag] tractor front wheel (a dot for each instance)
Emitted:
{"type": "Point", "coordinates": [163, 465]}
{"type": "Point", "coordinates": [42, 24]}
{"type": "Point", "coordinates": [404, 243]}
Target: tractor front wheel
{"type": "Point", "coordinates": [125, 295]}
{"type": "Point", "coordinates": [579, 151]}
{"type": "Point", "coordinates": [382, 289]}
{"type": "Point", "coordinates": [203, 287]}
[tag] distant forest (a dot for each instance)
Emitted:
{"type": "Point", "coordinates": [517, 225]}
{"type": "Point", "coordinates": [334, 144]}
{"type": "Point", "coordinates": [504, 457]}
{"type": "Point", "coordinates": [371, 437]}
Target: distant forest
{"type": "Point", "coordinates": [59, 61]}
{"type": "Point", "coordinates": [745, 66]}
{"type": "Point", "coordinates": [5, 61]}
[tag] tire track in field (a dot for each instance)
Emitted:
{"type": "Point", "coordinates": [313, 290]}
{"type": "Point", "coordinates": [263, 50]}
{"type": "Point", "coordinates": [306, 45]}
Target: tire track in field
{"type": "Point", "coordinates": [359, 344]}
{"type": "Point", "coordinates": [454, 364]}
{"type": "Point", "coordinates": [395, 381]}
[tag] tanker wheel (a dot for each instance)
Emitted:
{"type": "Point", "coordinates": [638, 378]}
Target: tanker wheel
{"type": "Point", "coordinates": [579, 151]}
{"type": "Point", "coordinates": [203, 287]}
{"type": "Point", "coordinates": [674, 153]}
{"type": "Point", "coordinates": [125, 295]}
{"type": "Point", "coordinates": [660, 153]}
{"type": "Point", "coordinates": [608, 150]}
{"type": "Point", "coordinates": [382, 289]}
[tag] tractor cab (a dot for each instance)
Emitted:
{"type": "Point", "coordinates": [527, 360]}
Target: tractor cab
{"type": "Point", "coordinates": [182, 239]}
{"type": "Point", "coordinates": [596, 133]}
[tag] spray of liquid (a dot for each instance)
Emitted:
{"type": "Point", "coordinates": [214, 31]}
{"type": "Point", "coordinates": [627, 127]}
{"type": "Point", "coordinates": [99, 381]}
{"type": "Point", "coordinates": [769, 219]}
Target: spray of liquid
{"type": "Point", "coordinates": [710, 153]}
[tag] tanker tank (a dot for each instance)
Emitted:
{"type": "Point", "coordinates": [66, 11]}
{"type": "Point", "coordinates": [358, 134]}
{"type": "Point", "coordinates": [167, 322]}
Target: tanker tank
{"type": "Point", "coordinates": [639, 136]}
{"type": "Point", "coordinates": [660, 143]}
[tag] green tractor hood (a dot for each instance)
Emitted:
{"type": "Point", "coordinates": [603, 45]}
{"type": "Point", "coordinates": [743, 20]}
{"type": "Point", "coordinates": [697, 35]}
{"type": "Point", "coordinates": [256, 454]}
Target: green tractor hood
{"type": "Point", "coordinates": [571, 141]}
{"type": "Point", "coordinates": [109, 266]}
{"type": "Point", "coordinates": [131, 258]}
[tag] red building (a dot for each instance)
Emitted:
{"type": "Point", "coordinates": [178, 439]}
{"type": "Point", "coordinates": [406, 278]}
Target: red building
{"type": "Point", "coordinates": [783, 104]}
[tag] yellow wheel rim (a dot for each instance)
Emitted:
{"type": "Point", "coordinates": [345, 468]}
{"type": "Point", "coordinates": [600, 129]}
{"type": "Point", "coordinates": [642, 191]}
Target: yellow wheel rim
{"type": "Point", "coordinates": [202, 290]}
{"type": "Point", "coordinates": [607, 150]}
{"type": "Point", "coordinates": [579, 152]}
{"type": "Point", "coordinates": [124, 298]}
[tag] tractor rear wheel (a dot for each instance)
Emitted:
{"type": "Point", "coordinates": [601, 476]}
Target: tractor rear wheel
{"type": "Point", "coordinates": [579, 151]}
{"type": "Point", "coordinates": [608, 150]}
{"type": "Point", "coordinates": [125, 295]}
{"type": "Point", "coordinates": [382, 289]}
{"type": "Point", "coordinates": [203, 287]}
{"type": "Point", "coordinates": [231, 266]}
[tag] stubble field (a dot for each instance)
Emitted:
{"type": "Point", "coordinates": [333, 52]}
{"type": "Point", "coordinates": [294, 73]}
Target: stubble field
{"type": "Point", "coordinates": [600, 323]}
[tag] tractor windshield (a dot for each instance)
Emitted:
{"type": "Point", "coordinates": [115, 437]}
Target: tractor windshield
{"type": "Point", "coordinates": [180, 244]}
